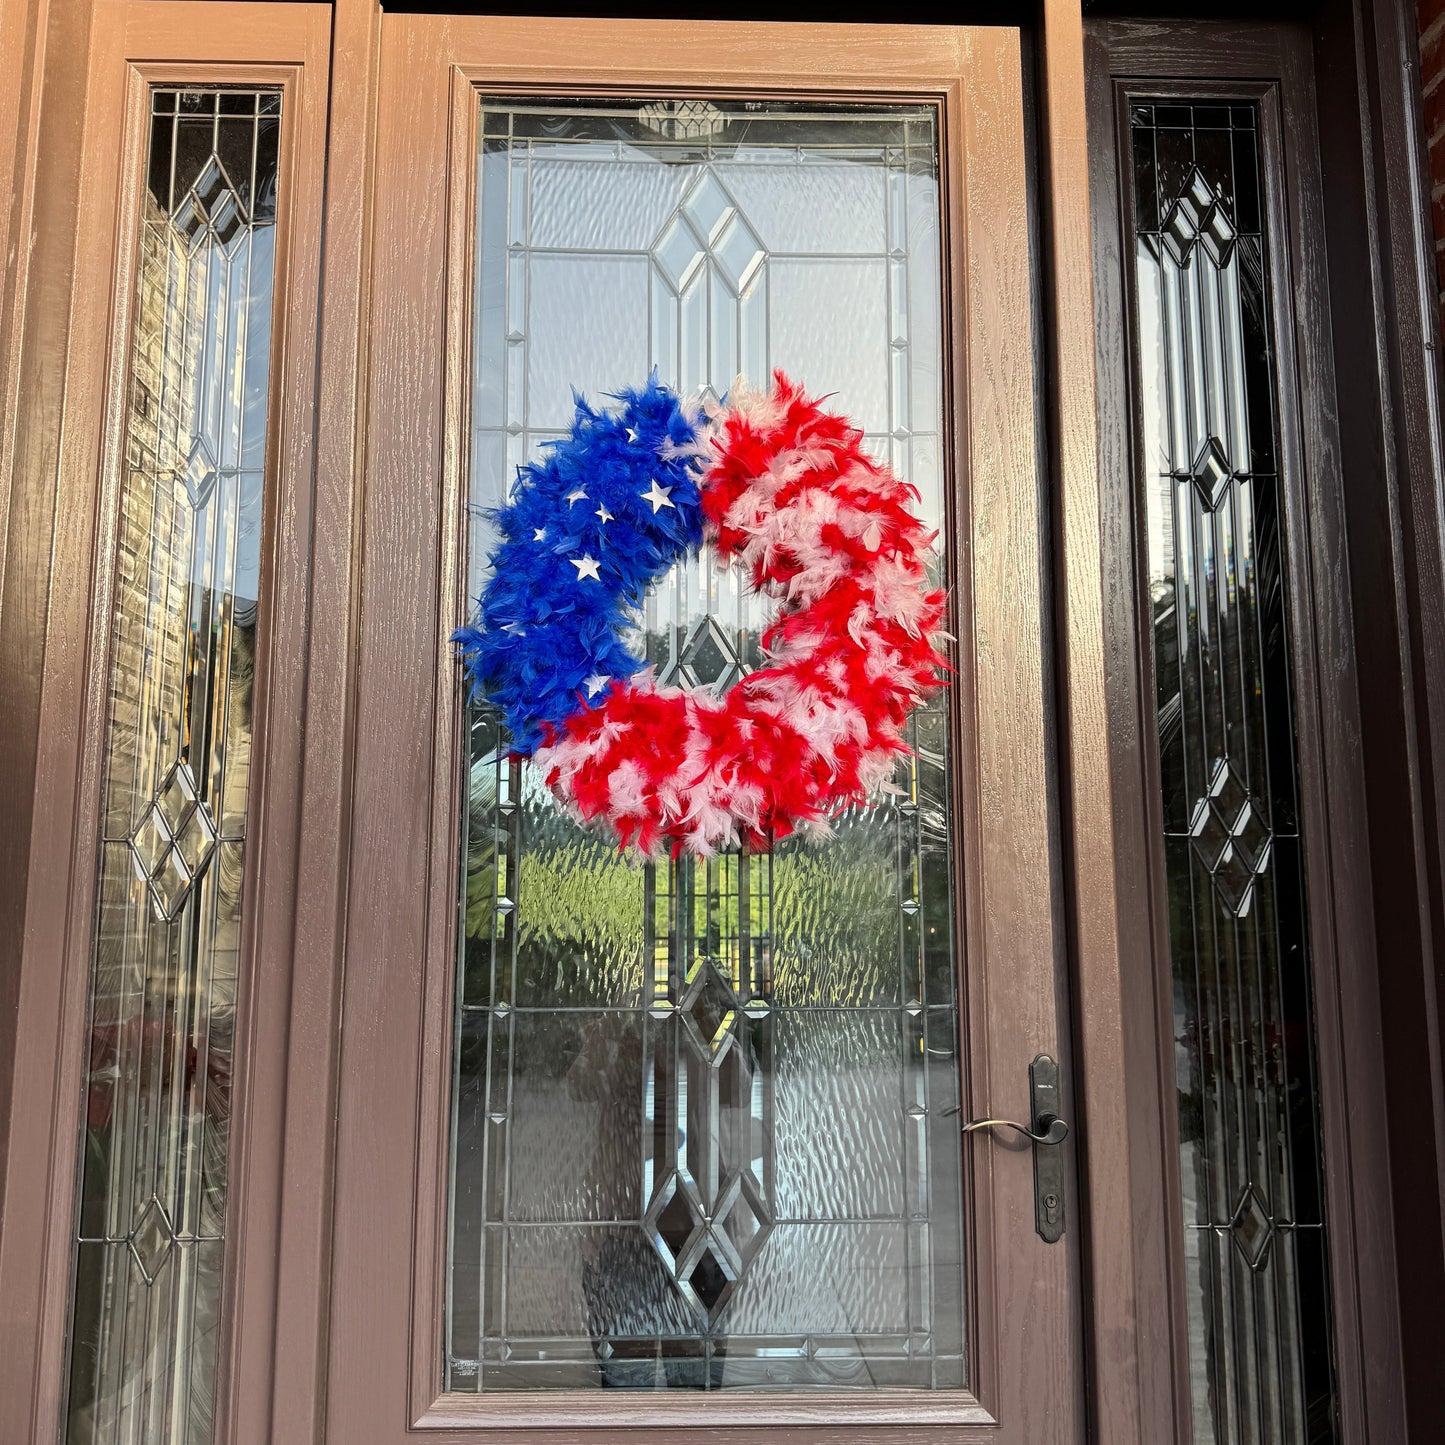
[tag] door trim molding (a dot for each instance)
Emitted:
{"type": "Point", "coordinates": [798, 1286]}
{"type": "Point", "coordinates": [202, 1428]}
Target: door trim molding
{"type": "Point", "coordinates": [1130, 1379]}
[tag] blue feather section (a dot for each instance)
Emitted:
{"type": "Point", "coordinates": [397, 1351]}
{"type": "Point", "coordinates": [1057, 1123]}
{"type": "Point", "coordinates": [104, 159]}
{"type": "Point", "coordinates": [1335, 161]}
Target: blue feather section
{"type": "Point", "coordinates": [549, 635]}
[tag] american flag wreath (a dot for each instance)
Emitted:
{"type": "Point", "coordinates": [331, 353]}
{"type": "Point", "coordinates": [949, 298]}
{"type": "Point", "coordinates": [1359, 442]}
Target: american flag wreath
{"type": "Point", "coordinates": [779, 487]}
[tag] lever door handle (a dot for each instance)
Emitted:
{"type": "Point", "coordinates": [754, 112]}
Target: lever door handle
{"type": "Point", "coordinates": [1045, 1130]}
{"type": "Point", "coordinates": [1055, 1130]}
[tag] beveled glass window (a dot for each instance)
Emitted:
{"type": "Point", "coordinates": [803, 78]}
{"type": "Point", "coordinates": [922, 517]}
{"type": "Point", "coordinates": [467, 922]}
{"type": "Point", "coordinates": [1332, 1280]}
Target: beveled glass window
{"type": "Point", "coordinates": [701, 1137]}
{"type": "Point", "coordinates": [163, 986]}
{"type": "Point", "coordinates": [1257, 1288]}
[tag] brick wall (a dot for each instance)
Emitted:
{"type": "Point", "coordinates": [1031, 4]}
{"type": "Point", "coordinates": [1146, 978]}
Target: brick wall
{"type": "Point", "coordinates": [1432, 79]}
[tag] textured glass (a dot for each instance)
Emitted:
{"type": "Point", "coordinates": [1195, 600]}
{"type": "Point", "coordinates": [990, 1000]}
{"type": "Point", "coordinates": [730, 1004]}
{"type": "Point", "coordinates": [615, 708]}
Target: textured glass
{"type": "Point", "coordinates": [1257, 1292]}
{"type": "Point", "coordinates": [163, 978]}
{"type": "Point", "coordinates": [701, 1138]}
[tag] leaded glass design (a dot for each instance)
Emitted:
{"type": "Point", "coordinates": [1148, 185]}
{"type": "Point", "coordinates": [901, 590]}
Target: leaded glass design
{"type": "Point", "coordinates": [700, 1137]}
{"type": "Point", "coordinates": [1257, 1290]}
{"type": "Point", "coordinates": [163, 979]}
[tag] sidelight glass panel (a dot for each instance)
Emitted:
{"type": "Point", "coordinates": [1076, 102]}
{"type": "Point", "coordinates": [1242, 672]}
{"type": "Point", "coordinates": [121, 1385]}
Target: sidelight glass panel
{"type": "Point", "coordinates": [163, 984]}
{"type": "Point", "coordinates": [705, 1132]}
{"type": "Point", "coordinates": [1257, 1295]}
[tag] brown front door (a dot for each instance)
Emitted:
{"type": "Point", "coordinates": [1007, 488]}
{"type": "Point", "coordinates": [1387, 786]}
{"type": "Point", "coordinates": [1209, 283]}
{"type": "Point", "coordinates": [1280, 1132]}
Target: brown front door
{"type": "Point", "coordinates": [410, 1107]}
{"type": "Point", "coordinates": [671, 1148]}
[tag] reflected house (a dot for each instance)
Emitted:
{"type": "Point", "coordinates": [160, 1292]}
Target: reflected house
{"type": "Point", "coordinates": [167, 946]}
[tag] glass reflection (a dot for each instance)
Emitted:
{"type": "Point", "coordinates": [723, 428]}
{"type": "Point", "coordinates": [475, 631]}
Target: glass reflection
{"type": "Point", "coordinates": [1258, 1297]}
{"type": "Point", "coordinates": [699, 1137]}
{"type": "Point", "coordinates": [147, 1297]}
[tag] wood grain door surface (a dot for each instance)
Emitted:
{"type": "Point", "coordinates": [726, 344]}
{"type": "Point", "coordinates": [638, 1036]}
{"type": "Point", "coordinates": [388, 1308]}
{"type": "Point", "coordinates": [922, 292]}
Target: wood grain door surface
{"type": "Point", "coordinates": [388, 1370]}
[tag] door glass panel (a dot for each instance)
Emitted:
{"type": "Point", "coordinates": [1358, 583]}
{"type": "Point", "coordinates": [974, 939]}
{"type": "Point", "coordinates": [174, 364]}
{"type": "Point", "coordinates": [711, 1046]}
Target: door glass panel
{"type": "Point", "coordinates": [146, 1311]}
{"type": "Point", "coordinates": [702, 1132]}
{"type": "Point", "coordinates": [1257, 1288]}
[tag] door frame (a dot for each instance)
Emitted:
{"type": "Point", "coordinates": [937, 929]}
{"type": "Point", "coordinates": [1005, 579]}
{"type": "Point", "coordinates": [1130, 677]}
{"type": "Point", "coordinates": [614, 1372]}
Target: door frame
{"type": "Point", "coordinates": [1127, 63]}
{"type": "Point", "coordinates": [1344, 658]}
{"type": "Point", "coordinates": [43, 626]}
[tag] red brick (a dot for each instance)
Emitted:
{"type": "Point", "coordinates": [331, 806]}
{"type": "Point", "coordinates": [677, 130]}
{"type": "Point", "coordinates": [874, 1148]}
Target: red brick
{"type": "Point", "coordinates": [1432, 48]}
{"type": "Point", "coordinates": [1435, 112]}
{"type": "Point", "coordinates": [1431, 15]}
{"type": "Point", "coordinates": [1432, 43]}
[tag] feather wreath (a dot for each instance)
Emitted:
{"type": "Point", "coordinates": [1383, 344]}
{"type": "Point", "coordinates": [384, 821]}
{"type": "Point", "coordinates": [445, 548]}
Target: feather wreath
{"type": "Point", "coordinates": [778, 486]}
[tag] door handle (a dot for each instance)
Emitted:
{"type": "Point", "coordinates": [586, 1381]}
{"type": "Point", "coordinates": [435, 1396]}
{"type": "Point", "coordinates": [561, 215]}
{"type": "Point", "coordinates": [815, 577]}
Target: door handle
{"type": "Point", "coordinates": [1045, 1131]}
{"type": "Point", "coordinates": [1056, 1132]}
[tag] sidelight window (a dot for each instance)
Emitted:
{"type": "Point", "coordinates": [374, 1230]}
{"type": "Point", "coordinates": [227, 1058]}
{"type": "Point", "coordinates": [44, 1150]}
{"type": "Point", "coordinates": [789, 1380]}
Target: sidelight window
{"type": "Point", "coordinates": [167, 946]}
{"type": "Point", "coordinates": [1257, 1296]}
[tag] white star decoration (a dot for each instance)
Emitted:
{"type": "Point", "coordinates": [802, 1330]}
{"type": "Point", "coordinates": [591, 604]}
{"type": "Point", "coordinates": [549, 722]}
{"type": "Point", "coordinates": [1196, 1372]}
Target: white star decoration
{"type": "Point", "coordinates": [660, 497]}
{"type": "Point", "coordinates": [632, 433]}
{"type": "Point", "coordinates": [586, 567]}
{"type": "Point", "coordinates": [603, 513]}
{"type": "Point", "coordinates": [596, 683]}
{"type": "Point", "coordinates": [578, 496]}
{"type": "Point", "coordinates": [539, 534]}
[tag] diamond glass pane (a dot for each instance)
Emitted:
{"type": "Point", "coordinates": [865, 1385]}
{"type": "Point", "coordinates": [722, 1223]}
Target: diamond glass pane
{"type": "Point", "coordinates": [701, 1137]}
{"type": "Point", "coordinates": [147, 1306]}
{"type": "Point", "coordinates": [1257, 1293]}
